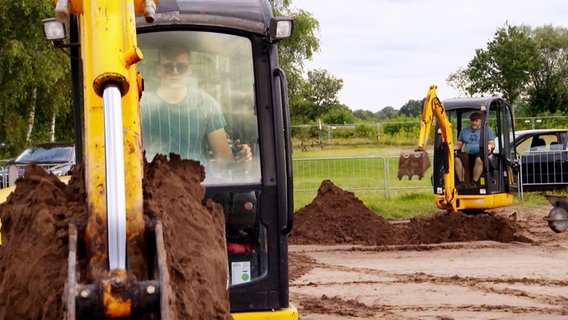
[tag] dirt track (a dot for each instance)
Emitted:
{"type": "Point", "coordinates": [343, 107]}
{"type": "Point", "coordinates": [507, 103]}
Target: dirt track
{"type": "Point", "coordinates": [525, 279]}
{"type": "Point", "coordinates": [346, 263]}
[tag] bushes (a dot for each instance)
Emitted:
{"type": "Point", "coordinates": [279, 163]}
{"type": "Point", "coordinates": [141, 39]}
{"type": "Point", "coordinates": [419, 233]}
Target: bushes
{"type": "Point", "coordinates": [403, 131]}
{"type": "Point", "coordinates": [383, 132]}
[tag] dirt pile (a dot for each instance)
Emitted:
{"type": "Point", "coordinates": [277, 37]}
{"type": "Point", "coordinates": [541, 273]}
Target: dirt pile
{"type": "Point", "coordinates": [35, 221]}
{"type": "Point", "coordinates": [336, 216]}
{"type": "Point", "coordinates": [33, 255]}
{"type": "Point", "coordinates": [194, 237]}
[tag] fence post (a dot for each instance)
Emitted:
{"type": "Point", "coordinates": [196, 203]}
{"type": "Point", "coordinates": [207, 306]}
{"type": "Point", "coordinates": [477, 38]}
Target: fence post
{"type": "Point", "coordinates": [387, 177]}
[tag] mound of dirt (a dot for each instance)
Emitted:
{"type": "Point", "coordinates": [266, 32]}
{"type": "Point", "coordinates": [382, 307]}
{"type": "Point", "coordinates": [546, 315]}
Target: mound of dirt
{"type": "Point", "coordinates": [336, 216]}
{"type": "Point", "coordinates": [33, 256]}
{"type": "Point", "coordinates": [35, 221]}
{"type": "Point", "coordinates": [194, 236]}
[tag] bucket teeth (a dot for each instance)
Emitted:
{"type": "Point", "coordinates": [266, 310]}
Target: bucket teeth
{"type": "Point", "coordinates": [413, 163]}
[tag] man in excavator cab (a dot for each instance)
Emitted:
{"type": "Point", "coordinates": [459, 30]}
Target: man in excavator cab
{"type": "Point", "coordinates": [467, 149]}
{"type": "Point", "coordinates": [178, 117]}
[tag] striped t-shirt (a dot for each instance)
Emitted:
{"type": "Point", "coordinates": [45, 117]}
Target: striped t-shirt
{"type": "Point", "coordinates": [181, 127]}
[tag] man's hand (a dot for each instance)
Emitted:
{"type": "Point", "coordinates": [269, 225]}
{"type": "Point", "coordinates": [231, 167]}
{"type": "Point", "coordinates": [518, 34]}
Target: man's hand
{"type": "Point", "coordinates": [244, 153]}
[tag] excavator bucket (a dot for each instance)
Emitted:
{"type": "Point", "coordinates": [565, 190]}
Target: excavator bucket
{"type": "Point", "coordinates": [146, 299]}
{"type": "Point", "coordinates": [413, 163]}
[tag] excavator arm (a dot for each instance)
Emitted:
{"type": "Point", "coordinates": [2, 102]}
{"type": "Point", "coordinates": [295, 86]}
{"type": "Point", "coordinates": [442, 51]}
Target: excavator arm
{"type": "Point", "coordinates": [119, 280]}
{"type": "Point", "coordinates": [417, 162]}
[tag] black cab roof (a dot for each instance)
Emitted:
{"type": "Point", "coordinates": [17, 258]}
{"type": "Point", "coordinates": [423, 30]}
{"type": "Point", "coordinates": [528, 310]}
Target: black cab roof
{"type": "Point", "coordinates": [472, 103]}
{"type": "Point", "coordinates": [245, 15]}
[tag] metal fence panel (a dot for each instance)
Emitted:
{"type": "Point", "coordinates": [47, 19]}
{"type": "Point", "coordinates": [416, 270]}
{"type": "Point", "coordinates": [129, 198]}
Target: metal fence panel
{"type": "Point", "coordinates": [543, 169]}
{"type": "Point", "coordinates": [354, 173]}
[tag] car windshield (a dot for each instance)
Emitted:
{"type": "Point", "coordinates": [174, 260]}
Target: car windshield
{"type": "Point", "coordinates": [46, 154]}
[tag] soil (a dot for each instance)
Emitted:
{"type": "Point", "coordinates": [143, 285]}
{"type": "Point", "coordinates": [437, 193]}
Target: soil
{"type": "Point", "coordinates": [348, 263]}
{"type": "Point", "coordinates": [345, 261]}
{"type": "Point", "coordinates": [35, 220]}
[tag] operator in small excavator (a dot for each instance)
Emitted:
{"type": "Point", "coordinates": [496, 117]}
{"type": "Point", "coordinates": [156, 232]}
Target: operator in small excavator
{"type": "Point", "coordinates": [468, 139]}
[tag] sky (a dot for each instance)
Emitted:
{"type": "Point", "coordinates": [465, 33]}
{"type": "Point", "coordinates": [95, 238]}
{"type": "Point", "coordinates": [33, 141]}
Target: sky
{"type": "Point", "coordinates": [390, 51]}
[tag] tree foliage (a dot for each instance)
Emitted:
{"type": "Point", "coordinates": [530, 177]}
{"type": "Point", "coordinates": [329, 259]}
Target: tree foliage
{"type": "Point", "coordinates": [387, 113]}
{"type": "Point", "coordinates": [412, 108]}
{"type": "Point", "coordinates": [313, 94]}
{"type": "Point", "coordinates": [340, 114]}
{"type": "Point", "coordinates": [548, 89]}
{"type": "Point", "coordinates": [293, 52]}
{"type": "Point", "coordinates": [35, 82]}
{"type": "Point", "coordinates": [527, 67]}
{"type": "Point", "coordinates": [322, 92]}
{"type": "Point", "coordinates": [34, 86]}
{"type": "Point", "coordinates": [365, 115]}
{"type": "Point", "coordinates": [317, 98]}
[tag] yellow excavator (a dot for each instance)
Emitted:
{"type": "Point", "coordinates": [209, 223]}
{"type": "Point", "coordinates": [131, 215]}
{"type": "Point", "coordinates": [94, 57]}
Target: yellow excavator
{"type": "Point", "coordinates": [497, 183]}
{"type": "Point", "coordinates": [116, 49]}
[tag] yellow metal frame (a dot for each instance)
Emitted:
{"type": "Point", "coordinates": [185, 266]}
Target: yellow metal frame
{"type": "Point", "coordinates": [432, 107]}
{"type": "Point", "coordinates": [107, 32]}
{"type": "Point", "coordinates": [285, 314]}
{"type": "Point", "coordinates": [477, 202]}
{"type": "Point", "coordinates": [109, 50]}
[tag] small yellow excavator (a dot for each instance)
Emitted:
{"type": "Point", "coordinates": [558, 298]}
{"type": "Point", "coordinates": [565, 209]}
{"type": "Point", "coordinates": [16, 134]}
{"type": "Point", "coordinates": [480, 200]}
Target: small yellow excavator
{"type": "Point", "coordinates": [497, 183]}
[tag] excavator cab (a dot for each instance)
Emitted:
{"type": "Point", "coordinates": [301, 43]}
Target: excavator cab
{"type": "Point", "coordinates": [233, 63]}
{"type": "Point", "coordinates": [497, 182]}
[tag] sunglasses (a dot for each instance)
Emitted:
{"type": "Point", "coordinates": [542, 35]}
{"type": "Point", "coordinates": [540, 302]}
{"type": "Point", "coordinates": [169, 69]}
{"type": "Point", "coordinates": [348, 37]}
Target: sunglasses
{"type": "Point", "coordinates": [181, 67]}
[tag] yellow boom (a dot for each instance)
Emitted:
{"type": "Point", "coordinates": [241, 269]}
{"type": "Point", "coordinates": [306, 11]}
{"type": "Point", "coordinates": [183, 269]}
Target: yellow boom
{"type": "Point", "coordinates": [114, 235]}
{"type": "Point", "coordinates": [411, 163]}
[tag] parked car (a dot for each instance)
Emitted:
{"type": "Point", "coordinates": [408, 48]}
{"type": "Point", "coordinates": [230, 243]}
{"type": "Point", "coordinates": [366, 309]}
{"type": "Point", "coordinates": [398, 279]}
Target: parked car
{"type": "Point", "coordinates": [543, 158]}
{"type": "Point", "coordinates": [56, 158]}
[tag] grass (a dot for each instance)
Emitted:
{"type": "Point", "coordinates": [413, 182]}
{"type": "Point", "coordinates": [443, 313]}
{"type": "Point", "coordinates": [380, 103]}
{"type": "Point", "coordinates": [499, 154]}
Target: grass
{"type": "Point", "coordinates": [402, 206]}
{"type": "Point", "coordinates": [537, 199]}
{"type": "Point", "coordinates": [402, 202]}
{"type": "Point", "coordinates": [349, 151]}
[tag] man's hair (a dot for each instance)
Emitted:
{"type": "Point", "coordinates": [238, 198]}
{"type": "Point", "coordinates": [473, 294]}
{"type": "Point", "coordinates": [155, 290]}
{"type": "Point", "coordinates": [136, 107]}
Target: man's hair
{"type": "Point", "coordinates": [170, 52]}
{"type": "Point", "coordinates": [475, 115]}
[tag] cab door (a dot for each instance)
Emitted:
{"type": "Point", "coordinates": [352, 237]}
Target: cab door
{"type": "Point", "coordinates": [502, 161]}
{"type": "Point", "coordinates": [236, 75]}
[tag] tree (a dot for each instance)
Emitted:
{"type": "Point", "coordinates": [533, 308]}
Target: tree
{"type": "Point", "coordinates": [340, 114]}
{"type": "Point", "coordinates": [412, 108]}
{"type": "Point", "coordinates": [322, 92]}
{"type": "Point", "coordinates": [459, 80]}
{"type": "Point", "coordinates": [34, 85]}
{"type": "Point", "coordinates": [319, 97]}
{"type": "Point", "coordinates": [503, 66]}
{"type": "Point", "coordinates": [527, 67]}
{"type": "Point", "coordinates": [548, 90]}
{"type": "Point", "coordinates": [294, 51]}
{"type": "Point", "coordinates": [365, 115]}
{"type": "Point", "coordinates": [387, 113]}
